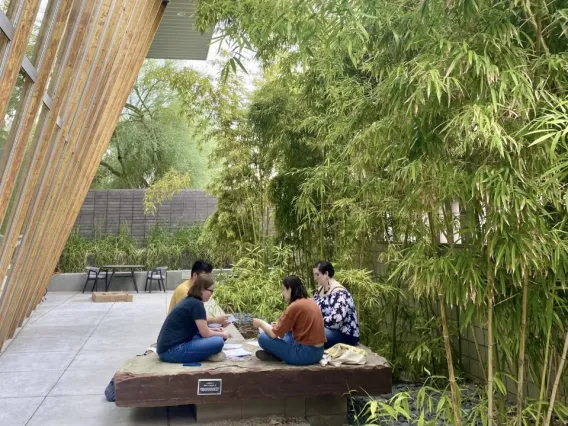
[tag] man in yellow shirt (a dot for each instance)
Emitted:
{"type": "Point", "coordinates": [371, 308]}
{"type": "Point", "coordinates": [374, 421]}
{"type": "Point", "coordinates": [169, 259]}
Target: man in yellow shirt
{"type": "Point", "coordinates": [199, 267]}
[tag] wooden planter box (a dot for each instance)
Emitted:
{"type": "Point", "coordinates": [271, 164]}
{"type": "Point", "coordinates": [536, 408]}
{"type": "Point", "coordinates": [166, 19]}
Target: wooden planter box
{"type": "Point", "coordinates": [112, 296]}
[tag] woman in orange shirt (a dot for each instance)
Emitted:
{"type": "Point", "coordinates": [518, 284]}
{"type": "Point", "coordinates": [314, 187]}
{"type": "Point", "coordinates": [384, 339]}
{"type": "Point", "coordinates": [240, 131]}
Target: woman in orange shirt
{"type": "Point", "coordinates": [299, 335]}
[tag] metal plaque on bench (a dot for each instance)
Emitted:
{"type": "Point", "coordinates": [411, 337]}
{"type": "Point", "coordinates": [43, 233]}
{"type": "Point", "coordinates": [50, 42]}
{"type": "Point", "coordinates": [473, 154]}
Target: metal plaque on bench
{"type": "Point", "coordinates": [209, 386]}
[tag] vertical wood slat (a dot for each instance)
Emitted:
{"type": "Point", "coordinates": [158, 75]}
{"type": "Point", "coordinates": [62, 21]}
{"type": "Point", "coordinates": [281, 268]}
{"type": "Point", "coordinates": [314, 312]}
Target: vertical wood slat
{"type": "Point", "coordinates": [83, 118]}
{"type": "Point", "coordinates": [93, 164]}
{"type": "Point", "coordinates": [74, 177]}
{"type": "Point", "coordinates": [74, 37]}
{"type": "Point", "coordinates": [105, 19]}
{"type": "Point", "coordinates": [29, 112]}
{"type": "Point", "coordinates": [132, 72]}
{"type": "Point", "coordinates": [15, 287]}
{"type": "Point", "coordinates": [14, 54]}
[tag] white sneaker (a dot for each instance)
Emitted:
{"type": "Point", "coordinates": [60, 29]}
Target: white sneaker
{"type": "Point", "coordinates": [220, 357]}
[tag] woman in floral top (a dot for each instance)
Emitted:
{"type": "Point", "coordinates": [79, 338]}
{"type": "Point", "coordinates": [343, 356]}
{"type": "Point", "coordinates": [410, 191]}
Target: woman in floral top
{"type": "Point", "coordinates": [337, 307]}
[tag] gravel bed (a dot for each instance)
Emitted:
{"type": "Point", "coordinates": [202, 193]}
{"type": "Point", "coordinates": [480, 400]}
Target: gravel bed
{"type": "Point", "coordinates": [245, 327]}
{"type": "Point", "coordinates": [357, 404]}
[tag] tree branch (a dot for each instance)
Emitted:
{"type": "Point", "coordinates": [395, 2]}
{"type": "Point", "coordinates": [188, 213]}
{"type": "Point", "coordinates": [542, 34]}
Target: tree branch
{"type": "Point", "coordinates": [112, 169]}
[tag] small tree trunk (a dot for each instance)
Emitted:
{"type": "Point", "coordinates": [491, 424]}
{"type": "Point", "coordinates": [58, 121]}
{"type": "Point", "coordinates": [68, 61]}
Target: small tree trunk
{"type": "Point", "coordinates": [522, 346]}
{"type": "Point", "coordinates": [557, 382]}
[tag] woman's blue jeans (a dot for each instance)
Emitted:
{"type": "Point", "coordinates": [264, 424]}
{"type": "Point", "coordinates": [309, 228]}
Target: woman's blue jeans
{"type": "Point", "coordinates": [289, 351]}
{"type": "Point", "coordinates": [335, 336]}
{"type": "Point", "coordinates": [195, 350]}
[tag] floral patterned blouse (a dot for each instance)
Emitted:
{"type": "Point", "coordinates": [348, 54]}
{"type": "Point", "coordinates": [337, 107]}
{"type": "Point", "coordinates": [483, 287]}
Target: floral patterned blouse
{"type": "Point", "coordinates": [339, 312]}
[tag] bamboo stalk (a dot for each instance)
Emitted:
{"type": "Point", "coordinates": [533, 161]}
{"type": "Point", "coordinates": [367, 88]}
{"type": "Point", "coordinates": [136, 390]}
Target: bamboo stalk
{"type": "Point", "coordinates": [456, 406]}
{"type": "Point", "coordinates": [490, 307]}
{"type": "Point", "coordinates": [453, 386]}
{"type": "Point", "coordinates": [556, 382]}
{"type": "Point", "coordinates": [544, 364]}
{"type": "Point", "coordinates": [478, 352]}
{"type": "Point", "coordinates": [522, 347]}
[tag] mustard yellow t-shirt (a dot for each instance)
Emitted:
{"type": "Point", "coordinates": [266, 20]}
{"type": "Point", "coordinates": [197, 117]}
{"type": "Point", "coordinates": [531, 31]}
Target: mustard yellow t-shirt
{"type": "Point", "coordinates": [180, 293]}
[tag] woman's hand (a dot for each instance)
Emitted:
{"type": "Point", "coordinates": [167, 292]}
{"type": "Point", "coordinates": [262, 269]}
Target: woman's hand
{"type": "Point", "coordinates": [264, 326]}
{"type": "Point", "coordinates": [223, 320]}
{"type": "Point", "coordinates": [226, 335]}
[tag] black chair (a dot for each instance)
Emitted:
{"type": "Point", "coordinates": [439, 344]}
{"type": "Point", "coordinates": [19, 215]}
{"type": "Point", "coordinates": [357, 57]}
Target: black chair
{"type": "Point", "coordinates": [158, 274]}
{"type": "Point", "coordinates": [95, 274]}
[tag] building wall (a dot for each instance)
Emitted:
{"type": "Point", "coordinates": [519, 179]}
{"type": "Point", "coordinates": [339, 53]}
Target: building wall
{"type": "Point", "coordinates": [108, 210]}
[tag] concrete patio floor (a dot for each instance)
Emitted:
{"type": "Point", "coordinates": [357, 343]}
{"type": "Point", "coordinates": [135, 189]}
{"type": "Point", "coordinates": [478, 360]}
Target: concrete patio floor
{"type": "Point", "coordinates": [54, 372]}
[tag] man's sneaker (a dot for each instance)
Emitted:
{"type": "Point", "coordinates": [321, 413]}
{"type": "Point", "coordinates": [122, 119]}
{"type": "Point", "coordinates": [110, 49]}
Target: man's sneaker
{"type": "Point", "coordinates": [220, 357]}
{"type": "Point", "coordinates": [267, 356]}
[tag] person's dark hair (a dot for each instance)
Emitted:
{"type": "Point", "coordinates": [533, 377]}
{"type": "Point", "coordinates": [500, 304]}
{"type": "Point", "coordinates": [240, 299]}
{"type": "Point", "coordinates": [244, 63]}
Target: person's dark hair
{"type": "Point", "coordinates": [201, 283]}
{"type": "Point", "coordinates": [200, 266]}
{"type": "Point", "coordinates": [298, 289]}
{"type": "Point", "coordinates": [325, 266]}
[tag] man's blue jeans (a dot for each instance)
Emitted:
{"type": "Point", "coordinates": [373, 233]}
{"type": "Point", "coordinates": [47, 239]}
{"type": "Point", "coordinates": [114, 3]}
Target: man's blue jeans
{"type": "Point", "coordinates": [196, 350]}
{"type": "Point", "coordinates": [289, 351]}
{"type": "Point", "coordinates": [335, 336]}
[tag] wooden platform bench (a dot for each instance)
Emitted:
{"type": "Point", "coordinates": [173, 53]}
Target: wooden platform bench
{"type": "Point", "coordinates": [245, 389]}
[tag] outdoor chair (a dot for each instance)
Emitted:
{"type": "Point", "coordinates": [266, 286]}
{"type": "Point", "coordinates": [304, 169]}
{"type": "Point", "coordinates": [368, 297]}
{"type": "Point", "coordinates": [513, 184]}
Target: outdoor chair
{"type": "Point", "coordinates": [158, 274]}
{"type": "Point", "coordinates": [95, 274]}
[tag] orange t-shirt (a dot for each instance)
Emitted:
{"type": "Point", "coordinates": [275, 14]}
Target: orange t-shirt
{"type": "Point", "coordinates": [304, 318]}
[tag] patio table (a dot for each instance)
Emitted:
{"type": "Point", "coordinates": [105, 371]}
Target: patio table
{"type": "Point", "coordinates": [128, 272]}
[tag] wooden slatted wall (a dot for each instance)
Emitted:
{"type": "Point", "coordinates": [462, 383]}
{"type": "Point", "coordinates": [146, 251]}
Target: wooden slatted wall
{"type": "Point", "coordinates": [65, 74]}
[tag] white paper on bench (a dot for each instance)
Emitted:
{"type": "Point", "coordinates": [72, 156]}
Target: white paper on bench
{"type": "Point", "coordinates": [232, 346]}
{"type": "Point", "coordinates": [253, 343]}
{"type": "Point", "coordinates": [237, 353]}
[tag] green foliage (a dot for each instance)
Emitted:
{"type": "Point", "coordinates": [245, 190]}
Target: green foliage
{"type": "Point", "coordinates": [157, 134]}
{"type": "Point", "coordinates": [176, 250]}
{"type": "Point", "coordinates": [255, 287]}
{"type": "Point", "coordinates": [164, 189]}
{"type": "Point", "coordinates": [435, 130]}
{"type": "Point", "coordinates": [428, 405]}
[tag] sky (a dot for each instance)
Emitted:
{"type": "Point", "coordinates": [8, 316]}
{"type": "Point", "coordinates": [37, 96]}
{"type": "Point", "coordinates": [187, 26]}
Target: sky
{"type": "Point", "coordinates": [251, 65]}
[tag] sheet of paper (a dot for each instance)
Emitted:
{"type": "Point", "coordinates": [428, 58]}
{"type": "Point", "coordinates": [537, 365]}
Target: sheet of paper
{"type": "Point", "coordinates": [253, 343]}
{"type": "Point", "coordinates": [232, 346]}
{"type": "Point", "coordinates": [237, 353]}
{"type": "Point", "coordinates": [214, 325]}
{"type": "Point", "coordinates": [231, 319]}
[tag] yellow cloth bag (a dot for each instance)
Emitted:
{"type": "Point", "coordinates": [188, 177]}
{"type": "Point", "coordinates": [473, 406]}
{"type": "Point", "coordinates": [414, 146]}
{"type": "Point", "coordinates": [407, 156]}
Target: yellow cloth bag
{"type": "Point", "coordinates": [344, 354]}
